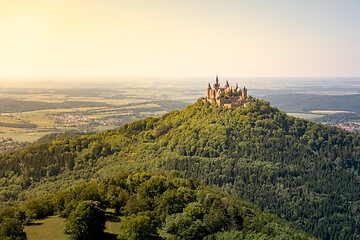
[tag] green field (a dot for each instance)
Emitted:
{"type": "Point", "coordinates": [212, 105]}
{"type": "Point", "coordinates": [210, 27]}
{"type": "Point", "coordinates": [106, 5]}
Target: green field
{"type": "Point", "coordinates": [27, 114]}
{"type": "Point", "coordinates": [47, 121]}
{"type": "Point", "coordinates": [47, 229]}
{"type": "Point", "coordinates": [307, 116]}
{"type": "Point", "coordinates": [52, 228]}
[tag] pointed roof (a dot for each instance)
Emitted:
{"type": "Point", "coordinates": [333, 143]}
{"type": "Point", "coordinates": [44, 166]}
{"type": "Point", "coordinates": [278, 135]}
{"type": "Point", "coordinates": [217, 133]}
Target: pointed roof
{"type": "Point", "coordinates": [227, 83]}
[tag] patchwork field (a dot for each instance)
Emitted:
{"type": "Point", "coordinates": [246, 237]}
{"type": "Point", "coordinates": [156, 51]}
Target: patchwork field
{"type": "Point", "coordinates": [27, 114]}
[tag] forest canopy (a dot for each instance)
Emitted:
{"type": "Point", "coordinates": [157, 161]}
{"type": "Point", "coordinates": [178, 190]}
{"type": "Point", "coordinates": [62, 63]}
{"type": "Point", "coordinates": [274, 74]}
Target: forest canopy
{"type": "Point", "coordinates": [150, 206]}
{"type": "Point", "coordinates": [304, 172]}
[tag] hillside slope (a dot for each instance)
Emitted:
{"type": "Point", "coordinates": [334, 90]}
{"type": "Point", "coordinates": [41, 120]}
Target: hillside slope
{"type": "Point", "coordinates": [302, 171]}
{"type": "Point", "coordinates": [145, 206]}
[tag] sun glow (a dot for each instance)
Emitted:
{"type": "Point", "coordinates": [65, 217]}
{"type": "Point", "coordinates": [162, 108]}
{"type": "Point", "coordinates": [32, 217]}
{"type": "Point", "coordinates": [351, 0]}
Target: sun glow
{"type": "Point", "coordinates": [167, 38]}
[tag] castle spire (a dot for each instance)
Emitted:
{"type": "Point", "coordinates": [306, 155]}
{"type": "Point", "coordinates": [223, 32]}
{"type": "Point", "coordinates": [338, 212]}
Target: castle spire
{"type": "Point", "coordinates": [237, 86]}
{"type": "Point", "coordinates": [209, 86]}
{"type": "Point", "coordinates": [227, 83]}
{"type": "Point", "coordinates": [217, 80]}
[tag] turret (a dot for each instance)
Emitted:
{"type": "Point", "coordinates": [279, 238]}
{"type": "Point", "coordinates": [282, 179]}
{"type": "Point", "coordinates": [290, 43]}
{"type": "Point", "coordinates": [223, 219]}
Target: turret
{"type": "Point", "coordinates": [232, 96]}
{"type": "Point", "coordinates": [244, 93]}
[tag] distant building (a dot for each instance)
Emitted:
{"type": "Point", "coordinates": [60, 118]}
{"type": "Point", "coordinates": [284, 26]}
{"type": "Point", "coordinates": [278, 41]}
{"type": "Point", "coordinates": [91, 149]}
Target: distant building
{"type": "Point", "coordinates": [227, 96]}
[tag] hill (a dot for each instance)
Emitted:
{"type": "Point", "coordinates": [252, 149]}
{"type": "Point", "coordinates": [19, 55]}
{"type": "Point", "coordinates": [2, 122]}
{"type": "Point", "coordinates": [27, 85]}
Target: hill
{"type": "Point", "coordinates": [304, 172]}
{"type": "Point", "coordinates": [147, 206]}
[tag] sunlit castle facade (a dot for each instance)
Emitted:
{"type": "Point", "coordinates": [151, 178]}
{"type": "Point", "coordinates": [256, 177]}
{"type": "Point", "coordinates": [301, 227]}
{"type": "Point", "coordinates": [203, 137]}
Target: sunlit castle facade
{"type": "Point", "coordinates": [227, 96]}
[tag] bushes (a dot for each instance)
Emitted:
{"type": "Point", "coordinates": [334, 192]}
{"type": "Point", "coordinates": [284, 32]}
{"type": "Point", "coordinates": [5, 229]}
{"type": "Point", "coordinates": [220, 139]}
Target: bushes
{"type": "Point", "coordinates": [86, 222]}
{"type": "Point", "coordinates": [149, 206]}
{"type": "Point", "coordinates": [137, 227]}
{"type": "Point", "coordinates": [12, 229]}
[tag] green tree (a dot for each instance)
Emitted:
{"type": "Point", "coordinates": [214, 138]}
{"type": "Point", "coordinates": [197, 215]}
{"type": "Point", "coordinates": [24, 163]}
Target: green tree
{"type": "Point", "coordinates": [137, 227]}
{"type": "Point", "coordinates": [12, 229]}
{"type": "Point", "coordinates": [86, 222]}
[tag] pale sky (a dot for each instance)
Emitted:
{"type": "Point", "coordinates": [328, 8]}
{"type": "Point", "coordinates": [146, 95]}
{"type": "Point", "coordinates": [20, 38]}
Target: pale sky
{"type": "Point", "coordinates": [240, 38]}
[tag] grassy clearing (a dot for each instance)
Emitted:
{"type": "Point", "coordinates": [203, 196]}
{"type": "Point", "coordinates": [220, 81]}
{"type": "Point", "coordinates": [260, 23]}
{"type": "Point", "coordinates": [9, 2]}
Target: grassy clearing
{"type": "Point", "coordinates": [113, 227]}
{"type": "Point", "coordinates": [145, 105]}
{"type": "Point", "coordinates": [23, 136]}
{"type": "Point", "coordinates": [105, 128]}
{"type": "Point", "coordinates": [10, 119]}
{"type": "Point", "coordinates": [327, 112]}
{"type": "Point", "coordinates": [46, 229]}
{"type": "Point", "coordinates": [52, 228]}
{"type": "Point", "coordinates": [307, 116]}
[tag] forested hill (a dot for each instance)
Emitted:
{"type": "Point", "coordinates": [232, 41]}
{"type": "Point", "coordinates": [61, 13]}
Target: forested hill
{"type": "Point", "coordinates": [302, 171]}
{"type": "Point", "coordinates": [148, 206]}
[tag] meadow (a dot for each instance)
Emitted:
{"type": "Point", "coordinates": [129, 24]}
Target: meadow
{"type": "Point", "coordinates": [53, 228]}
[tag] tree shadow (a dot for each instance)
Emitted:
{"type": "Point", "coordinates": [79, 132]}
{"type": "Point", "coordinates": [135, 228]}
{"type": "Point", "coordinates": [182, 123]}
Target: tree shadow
{"type": "Point", "coordinates": [112, 217]}
{"type": "Point", "coordinates": [109, 236]}
{"type": "Point", "coordinates": [33, 224]}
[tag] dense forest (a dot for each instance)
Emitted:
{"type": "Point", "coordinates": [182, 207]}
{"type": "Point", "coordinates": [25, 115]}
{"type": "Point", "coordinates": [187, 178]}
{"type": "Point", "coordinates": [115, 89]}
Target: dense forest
{"type": "Point", "coordinates": [302, 171]}
{"type": "Point", "coordinates": [148, 206]}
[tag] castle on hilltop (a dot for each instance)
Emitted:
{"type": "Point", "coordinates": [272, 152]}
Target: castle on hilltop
{"type": "Point", "coordinates": [227, 96]}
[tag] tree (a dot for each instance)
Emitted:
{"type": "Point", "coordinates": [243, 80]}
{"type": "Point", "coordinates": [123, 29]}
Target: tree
{"type": "Point", "coordinates": [86, 222]}
{"type": "Point", "coordinates": [12, 229]}
{"type": "Point", "coordinates": [137, 227]}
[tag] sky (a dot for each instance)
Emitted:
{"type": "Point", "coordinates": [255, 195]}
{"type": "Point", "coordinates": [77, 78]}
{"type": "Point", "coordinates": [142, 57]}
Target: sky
{"type": "Point", "coordinates": [179, 38]}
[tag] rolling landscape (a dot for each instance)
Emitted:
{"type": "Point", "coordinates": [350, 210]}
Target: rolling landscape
{"type": "Point", "coordinates": [308, 164]}
{"type": "Point", "coordinates": [258, 153]}
{"type": "Point", "coordinates": [179, 120]}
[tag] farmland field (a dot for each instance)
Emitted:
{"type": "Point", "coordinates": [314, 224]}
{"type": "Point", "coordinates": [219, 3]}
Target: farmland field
{"type": "Point", "coordinates": [27, 114]}
{"type": "Point", "coordinates": [93, 105]}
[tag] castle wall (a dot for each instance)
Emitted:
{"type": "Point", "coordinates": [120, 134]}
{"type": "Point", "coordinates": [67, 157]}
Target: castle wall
{"type": "Point", "coordinates": [235, 97]}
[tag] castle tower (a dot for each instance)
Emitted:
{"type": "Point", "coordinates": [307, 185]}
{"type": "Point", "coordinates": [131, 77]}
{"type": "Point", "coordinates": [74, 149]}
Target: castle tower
{"type": "Point", "coordinates": [216, 85]}
{"type": "Point", "coordinates": [227, 84]}
{"type": "Point", "coordinates": [244, 93]}
{"type": "Point", "coordinates": [228, 96]}
{"type": "Point", "coordinates": [209, 91]}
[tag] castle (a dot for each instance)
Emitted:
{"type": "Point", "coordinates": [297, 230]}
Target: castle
{"type": "Point", "coordinates": [227, 96]}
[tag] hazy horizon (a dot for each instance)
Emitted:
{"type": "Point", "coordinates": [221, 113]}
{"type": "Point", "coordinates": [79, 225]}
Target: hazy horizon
{"type": "Point", "coordinates": [247, 38]}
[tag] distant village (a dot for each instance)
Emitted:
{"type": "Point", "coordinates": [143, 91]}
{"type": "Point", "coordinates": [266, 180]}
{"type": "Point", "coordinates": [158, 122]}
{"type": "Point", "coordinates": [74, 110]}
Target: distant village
{"type": "Point", "coordinates": [67, 120]}
{"type": "Point", "coordinates": [7, 144]}
{"type": "Point", "coordinates": [351, 127]}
